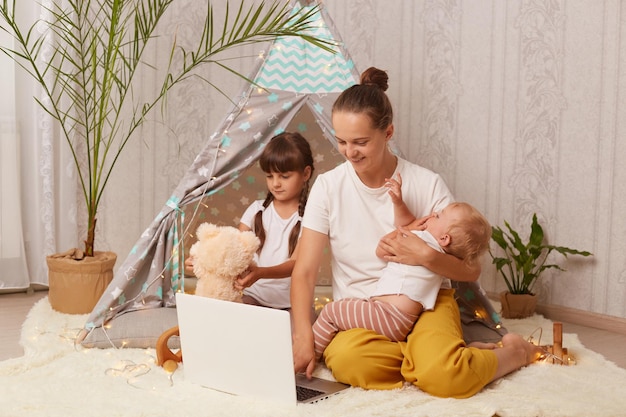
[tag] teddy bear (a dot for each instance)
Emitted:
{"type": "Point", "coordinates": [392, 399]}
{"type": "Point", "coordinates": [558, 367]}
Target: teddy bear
{"type": "Point", "coordinates": [221, 254]}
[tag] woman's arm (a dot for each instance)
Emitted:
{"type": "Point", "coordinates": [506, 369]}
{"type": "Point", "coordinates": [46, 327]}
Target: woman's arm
{"type": "Point", "coordinates": [406, 248]}
{"type": "Point", "coordinates": [310, 249]}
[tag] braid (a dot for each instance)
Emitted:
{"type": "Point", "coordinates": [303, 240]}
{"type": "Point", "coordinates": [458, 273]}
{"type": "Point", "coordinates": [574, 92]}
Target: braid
{"type": "Point", "coordinates": [295, 232]}
{"type": "Point", "coordinates": [259, 230]}
{"type": "Point", "coordinates": [287, 151]}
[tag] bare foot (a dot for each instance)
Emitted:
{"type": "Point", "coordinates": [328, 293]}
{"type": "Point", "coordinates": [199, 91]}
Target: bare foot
{"type": "Point", "coordinates": [514, 354]}
{"type": "Point", "coordinates": [484, 345]}
{"type": "Point", "coordinates": [531, 352]}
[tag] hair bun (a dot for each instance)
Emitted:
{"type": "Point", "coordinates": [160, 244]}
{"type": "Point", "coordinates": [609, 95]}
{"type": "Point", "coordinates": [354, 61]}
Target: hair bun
{"type": "Point", "coordinates": [375, 77]}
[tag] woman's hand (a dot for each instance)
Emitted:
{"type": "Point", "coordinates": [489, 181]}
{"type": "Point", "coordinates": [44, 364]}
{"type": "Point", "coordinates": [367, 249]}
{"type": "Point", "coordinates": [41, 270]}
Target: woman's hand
{"type": "Point", "coordinates": [381, 250]}
{"type": "Point", "coordinates": [405, 247]}
{"type": "Point", "coordinates": [304, 354]}
{"type": "Point", "coordinates": [302, 288]}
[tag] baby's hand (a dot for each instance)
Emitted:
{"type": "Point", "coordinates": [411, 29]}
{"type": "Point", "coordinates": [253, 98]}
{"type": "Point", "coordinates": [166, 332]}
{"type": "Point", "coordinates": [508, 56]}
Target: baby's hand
{"type": "Point", "coordinates": [395, 189]}
{"type": "Point", "coordinates": [419, 224]}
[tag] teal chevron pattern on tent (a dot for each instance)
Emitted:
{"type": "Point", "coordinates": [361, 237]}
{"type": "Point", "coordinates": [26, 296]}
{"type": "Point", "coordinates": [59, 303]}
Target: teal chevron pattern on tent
{"type": "Point", "coordinates": [300, 67]}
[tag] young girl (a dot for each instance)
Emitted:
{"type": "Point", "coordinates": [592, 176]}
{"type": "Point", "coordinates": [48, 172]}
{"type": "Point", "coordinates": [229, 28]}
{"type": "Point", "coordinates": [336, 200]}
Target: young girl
{"type": "Point", "coordinates": [287, 161]}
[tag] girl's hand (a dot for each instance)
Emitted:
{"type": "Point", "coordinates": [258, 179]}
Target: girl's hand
{"type": "Point", "coordinates": [189, 266]}
{"type": "Point", "coordinates": [405, 248]}
{"type": "Point", "coordinates": [395, 189]}
{"type": "Point", "coordinates": [248, 278]}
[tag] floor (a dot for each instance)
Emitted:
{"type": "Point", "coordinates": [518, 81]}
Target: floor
{"type": "Point", "coordinates": [14, 308]}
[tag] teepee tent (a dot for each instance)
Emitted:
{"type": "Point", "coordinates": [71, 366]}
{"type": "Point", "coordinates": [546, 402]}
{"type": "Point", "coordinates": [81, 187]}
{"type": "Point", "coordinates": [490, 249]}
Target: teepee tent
{"type": "Point", "coordinates": [294, 83]}
{"type": "Point", "coordinates": [294, 87]}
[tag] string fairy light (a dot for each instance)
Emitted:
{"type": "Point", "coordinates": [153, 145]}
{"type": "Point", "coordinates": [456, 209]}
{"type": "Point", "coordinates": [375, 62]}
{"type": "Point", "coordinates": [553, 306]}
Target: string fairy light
{"type": "Point", "coordinates": [319, 303]}
{"type": "Point", "coordinates": [177, 251]}
{"type": "Point", "coordinates": [554, 353]}
{"type": "Point", "coordinates": [173, 203]}
{"type": "Point", "coordinates": [136, 374]}
{"type": "Point", "coordinates": [129, 370]}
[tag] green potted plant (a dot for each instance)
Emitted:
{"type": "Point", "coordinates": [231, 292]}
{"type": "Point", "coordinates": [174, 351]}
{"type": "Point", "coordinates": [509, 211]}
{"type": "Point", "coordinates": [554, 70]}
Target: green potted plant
{"type": "Point", "coordinates": [522, 264]}
{"type": "Point", "coordinates": [86, 58]}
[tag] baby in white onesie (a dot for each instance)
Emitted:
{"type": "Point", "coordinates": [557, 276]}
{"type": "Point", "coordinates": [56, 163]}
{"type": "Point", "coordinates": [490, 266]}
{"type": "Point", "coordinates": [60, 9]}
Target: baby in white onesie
{"type": "Point", "coordinates": [404, 291]}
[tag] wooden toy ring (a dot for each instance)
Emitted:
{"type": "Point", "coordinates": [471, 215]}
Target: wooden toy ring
{"type": "Point", "coordinates": [164, 353]}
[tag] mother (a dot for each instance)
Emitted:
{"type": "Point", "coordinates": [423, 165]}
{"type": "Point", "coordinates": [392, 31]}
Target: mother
{"type": "Point", "coordinates": [349, 209]}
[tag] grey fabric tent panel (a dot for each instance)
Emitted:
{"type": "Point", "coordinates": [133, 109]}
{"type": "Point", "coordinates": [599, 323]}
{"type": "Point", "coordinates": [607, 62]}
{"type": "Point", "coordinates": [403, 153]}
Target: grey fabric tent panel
{"type": "Point", "coordinates": [152, 272]}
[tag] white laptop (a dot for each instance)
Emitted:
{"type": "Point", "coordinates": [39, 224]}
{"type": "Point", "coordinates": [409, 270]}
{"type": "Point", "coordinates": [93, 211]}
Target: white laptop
{"type": "Point", "coordinates": [243, 350]}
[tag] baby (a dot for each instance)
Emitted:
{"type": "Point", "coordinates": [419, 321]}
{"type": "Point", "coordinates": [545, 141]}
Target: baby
{"type": "Point", "coordinates": [404, 291]}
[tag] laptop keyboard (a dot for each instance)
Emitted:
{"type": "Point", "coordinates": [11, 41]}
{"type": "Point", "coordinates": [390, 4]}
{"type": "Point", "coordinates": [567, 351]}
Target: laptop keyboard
{"type": "Point", "coordinates": [304, 393]}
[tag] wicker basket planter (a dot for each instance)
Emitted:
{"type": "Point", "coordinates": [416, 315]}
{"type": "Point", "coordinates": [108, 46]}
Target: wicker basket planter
{"type": "Point", "coordinates": [517, 306]}
{"type": "Point", "coordinates": [75, 286]}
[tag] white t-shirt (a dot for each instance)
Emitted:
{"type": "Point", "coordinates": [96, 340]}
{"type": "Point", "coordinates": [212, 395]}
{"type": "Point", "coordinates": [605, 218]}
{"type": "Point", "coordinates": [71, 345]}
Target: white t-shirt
{"type": "Point", "coordinates": [355, 217]}
{"type": "Point", "coordinates": [267, 291]}
{"type": "Point", "coordinates": [416, 282]}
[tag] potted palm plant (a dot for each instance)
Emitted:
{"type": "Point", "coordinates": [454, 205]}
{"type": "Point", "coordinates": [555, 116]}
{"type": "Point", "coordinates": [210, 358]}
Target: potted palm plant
{"type": "Point", "coordinates": [85, 57]}
{"type": "Point", "coordinates": [522, 264]}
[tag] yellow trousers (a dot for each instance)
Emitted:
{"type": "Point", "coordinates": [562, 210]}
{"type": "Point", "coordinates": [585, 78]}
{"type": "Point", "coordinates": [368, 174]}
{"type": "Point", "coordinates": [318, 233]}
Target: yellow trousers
{"type": "Point", "coordinates": [434, 358]}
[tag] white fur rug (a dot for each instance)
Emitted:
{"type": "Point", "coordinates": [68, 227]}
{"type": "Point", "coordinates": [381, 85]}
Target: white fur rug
{"type": "Point", "coordinates": [54, 378]}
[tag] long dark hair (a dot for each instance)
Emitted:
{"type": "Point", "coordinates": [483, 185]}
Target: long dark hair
{"type": "Point", "coordinates": [288, 151]}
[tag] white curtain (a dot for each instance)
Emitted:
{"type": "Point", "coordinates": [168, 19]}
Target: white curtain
{"type": "Point", "coordinates": [13, 271]}
{"type": "Point", "coordinates": [37, 179]}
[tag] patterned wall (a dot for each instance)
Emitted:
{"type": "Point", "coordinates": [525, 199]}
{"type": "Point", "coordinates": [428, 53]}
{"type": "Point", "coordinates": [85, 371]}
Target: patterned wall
{"type": "Point", "coordinates": [519, 105]}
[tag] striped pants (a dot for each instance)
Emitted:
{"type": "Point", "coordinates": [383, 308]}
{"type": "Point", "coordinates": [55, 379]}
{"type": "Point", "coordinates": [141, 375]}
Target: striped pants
{"type": "Point", "coordinates": [353, 313]}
